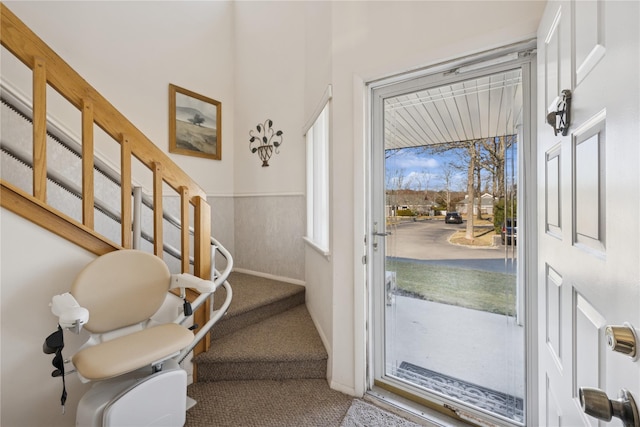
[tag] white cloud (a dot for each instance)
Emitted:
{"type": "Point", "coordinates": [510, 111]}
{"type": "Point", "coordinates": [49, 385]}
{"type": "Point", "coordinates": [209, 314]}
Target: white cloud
{"type": "Point", "coordinates": [415, 162]}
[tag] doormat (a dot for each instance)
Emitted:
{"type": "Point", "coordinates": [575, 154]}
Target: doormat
{"type": "Point", "coordinates": [363, 414]}
{"type": "Point", "coordinates": [504, 404]}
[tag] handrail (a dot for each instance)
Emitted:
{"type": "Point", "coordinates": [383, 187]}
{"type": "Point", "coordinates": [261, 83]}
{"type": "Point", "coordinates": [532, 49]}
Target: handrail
{"type": "Point", "coordinates": [74, 147]}
{"type": "Point", "coordinates": [49, 69]}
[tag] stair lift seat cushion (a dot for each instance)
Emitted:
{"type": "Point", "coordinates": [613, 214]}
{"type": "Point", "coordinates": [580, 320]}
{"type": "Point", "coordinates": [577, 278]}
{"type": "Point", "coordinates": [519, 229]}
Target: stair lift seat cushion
{"type": "Point", "coordinates": [131, 352]}
{"type": "Point", "coordinates": [121, 288]}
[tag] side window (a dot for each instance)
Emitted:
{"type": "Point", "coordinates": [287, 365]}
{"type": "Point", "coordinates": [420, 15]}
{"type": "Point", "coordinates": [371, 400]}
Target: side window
{"type": "Point", "coordinates": [317, 141]}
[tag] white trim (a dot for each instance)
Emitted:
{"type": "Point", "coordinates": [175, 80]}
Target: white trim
{"type": "Point", "coordinates": [361, 102]}
{"type": "Point", "coordinates": [342, 388]}
{"type": "Point", "coordinates": [449, 64]}
{"type": "Point", "coordinates": [324, 252]}
{"type": "Point", "coordinates": [221, 196]}
{"type": "Point", "coordinates": [554, 26]}
{"type": "Point", "coordinates": [326, 96]}
{"type": "Point", "coordinates": [529, 275]}
{"type": "Point", "coordinates": [270, 276]}
{"type": "Point", "coordinates": [174, 194]}
{"type": "Point", "coordinates": [239, 195]}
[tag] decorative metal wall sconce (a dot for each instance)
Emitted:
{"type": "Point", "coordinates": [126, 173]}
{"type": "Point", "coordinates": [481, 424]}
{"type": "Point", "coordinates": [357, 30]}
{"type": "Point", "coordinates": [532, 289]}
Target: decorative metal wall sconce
{"type": "Point", "coordinates": [267, 140]}
{"type": "Point", "coordinates": [560, 119]}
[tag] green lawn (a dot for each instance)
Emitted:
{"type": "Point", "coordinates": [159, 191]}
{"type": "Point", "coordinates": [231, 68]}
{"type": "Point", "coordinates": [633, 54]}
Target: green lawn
{"type": "Point", "coordinates": [476, 289]}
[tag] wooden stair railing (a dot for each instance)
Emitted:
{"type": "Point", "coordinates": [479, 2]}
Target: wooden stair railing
{"type": "Point", "coordinates": [50, 69]}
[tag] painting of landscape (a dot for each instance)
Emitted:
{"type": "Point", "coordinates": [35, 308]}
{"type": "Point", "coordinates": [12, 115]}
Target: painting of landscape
{"type": "Point", "coordinates": [194, 124]}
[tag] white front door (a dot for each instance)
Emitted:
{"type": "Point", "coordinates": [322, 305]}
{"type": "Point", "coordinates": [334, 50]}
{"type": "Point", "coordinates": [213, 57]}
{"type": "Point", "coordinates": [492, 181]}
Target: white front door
{"type": "Point", "coordinates": [588, 204]}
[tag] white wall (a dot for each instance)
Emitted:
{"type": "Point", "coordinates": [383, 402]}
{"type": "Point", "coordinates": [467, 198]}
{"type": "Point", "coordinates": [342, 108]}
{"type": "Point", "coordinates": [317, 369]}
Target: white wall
{"type": "Point", "coordinates": [36, 265]}
{"type": "Point", "coordinates": [318, 68]}
{"type": "Point", "coordinates": [269, 76]}
{"type": "Point", "coordinates": [130, 52]}
{"type": "Point", "coordinates": [269, 70]}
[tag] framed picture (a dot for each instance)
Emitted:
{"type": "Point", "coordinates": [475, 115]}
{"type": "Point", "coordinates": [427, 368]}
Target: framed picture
{"type": "Point", "coordinates": [195, 124]}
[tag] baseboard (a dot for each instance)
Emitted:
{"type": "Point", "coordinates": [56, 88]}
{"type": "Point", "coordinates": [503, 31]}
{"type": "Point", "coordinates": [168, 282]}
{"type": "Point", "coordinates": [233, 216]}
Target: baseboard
{"type": "Point", "coordinates": [271, 276]}
{"type": "Point", "coordinates": [323, 337]}
{"type": "Point", "coordinates": [343, 388]}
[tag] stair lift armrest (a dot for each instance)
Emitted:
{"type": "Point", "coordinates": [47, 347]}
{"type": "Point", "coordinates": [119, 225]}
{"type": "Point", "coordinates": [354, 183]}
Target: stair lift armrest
{"type": "Point", "coordinates": [186, 280]}
{"type": "Point", "coordinates": [70, 315]}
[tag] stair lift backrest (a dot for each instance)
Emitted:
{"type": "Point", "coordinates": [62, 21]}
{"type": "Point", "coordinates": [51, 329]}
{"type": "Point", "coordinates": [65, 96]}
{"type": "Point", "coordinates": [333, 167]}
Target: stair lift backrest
{"type": "Point", "coordinates": [121, 288]}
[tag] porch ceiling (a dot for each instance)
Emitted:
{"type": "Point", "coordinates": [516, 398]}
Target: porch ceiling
{"type": "Point", "coordinates": [479, 108]}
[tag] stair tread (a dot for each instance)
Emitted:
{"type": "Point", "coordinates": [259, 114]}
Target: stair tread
{"type": "Point", "coordinates": [251, 292]}
{"type": "Point", "coordinates": [288, 336]}
{"type": "Point", "coordinates": [297, 402]}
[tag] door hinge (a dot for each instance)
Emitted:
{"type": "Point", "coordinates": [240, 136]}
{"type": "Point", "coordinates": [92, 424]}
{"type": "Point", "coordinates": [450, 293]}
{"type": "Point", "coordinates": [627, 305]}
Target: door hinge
{"type": "Point", "coordinates": [364, 259]}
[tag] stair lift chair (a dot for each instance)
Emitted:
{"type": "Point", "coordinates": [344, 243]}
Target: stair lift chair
{"type": "Point", "coordinates": [132, 359]}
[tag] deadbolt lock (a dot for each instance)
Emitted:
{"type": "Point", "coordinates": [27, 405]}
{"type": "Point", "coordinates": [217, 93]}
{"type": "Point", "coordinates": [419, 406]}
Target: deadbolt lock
{"type": "Point", "coordinates": [622, 339]}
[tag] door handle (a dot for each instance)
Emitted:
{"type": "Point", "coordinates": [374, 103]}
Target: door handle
{"type": "Point", "coordinates": [375, 233]}
{"type": "Point", "coordinates": [596, 403]}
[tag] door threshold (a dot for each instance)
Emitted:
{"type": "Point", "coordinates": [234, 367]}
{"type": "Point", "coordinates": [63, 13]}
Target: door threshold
{"type": "Point", "coordinates": [410, 410]}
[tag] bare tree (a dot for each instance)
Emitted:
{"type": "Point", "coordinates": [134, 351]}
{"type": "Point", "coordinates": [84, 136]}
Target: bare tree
{"type": "Point", "coordinates": [471, 173]}
{"type": "Point", "coordinates": [423, 181]}
{"type": "Point", "coordinates": [493, 159]}
{"type": "Point", "coordinates": [447, 174]}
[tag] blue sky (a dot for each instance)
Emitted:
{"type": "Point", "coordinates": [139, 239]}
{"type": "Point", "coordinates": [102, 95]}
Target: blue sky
{"type": "Point", "coordinates": [418, 170]}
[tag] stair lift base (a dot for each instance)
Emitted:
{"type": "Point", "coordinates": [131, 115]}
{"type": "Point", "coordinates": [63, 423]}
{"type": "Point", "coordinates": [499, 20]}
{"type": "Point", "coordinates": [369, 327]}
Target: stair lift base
{"type": "Point", "coordinates": [132, 356]}
{"type": "Point", "coordinates": [140, 400]}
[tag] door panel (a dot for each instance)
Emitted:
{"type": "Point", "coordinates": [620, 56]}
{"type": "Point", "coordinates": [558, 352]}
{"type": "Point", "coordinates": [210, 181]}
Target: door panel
{"type": "Point", "coordinates": [589, 199]}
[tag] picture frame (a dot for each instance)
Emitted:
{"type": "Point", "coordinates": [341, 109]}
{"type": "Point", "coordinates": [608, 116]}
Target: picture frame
{"type": "Point", "coordinates": [195, 124]}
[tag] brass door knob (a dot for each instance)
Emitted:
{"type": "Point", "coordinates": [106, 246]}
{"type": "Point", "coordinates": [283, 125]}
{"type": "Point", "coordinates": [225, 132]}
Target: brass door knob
{"type": "Point", "coordinates": [596, 403]}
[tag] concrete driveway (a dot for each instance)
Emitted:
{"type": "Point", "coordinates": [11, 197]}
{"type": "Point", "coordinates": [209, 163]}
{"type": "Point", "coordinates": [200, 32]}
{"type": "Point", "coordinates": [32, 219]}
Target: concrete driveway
{"type": "Point", "coordinates": [427, 241]}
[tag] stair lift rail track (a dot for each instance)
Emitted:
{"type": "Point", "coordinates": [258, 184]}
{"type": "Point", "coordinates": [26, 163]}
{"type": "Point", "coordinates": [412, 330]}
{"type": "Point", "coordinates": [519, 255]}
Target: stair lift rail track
{"type": "Point", "coordinates": [61, 137]}
{"type": "Point", "coordinates": [20, 107]}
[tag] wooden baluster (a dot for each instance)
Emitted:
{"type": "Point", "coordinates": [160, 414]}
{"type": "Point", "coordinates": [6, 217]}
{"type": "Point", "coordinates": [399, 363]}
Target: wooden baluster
{"type": "Point", "coordinates": [202, 261]}
{"type": "Point", "coordinates": [40, 129]}
{"type": "Point", "coordinates": [87, 164]}
{"type": "Point", "coordinates": [202, 239]}
{"type": "Point", "coordinates": [184, 230]}
{"type": "Point", "coordinates": [125, 191]}
{"type": "Point", "coordinates": [157, 210]}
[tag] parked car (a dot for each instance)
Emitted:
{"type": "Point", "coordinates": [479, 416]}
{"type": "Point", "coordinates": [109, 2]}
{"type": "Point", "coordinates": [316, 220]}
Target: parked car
{"type": "Point", "coordinates": [509, 231]}
{"type": "Point", "coordinates": [453, 218]}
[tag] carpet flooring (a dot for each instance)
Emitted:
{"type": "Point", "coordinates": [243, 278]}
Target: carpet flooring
{"type": "Point", "coordinates": [267, 366]}
{"type": "Point", "coordinates": [303, 403]}
{"type": "Point", "coordinates": [287, 403]}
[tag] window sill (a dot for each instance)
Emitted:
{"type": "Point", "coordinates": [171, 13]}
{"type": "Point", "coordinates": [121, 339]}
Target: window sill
{"type": "Point", "coordinates": [325, 253]}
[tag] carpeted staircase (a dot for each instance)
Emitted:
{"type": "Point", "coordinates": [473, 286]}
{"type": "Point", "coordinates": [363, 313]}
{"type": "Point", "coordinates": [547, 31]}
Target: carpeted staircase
{"type": "Point", "coordinates": [267, 365]}
{"type": "Point", "coordinates": [267, 334]}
